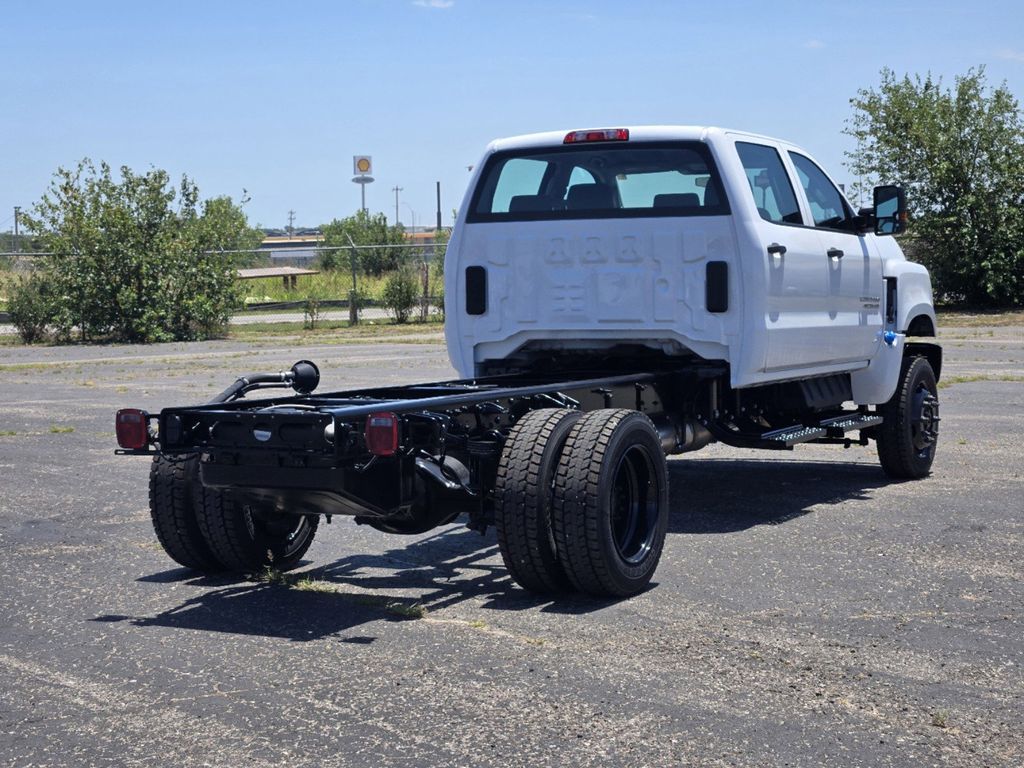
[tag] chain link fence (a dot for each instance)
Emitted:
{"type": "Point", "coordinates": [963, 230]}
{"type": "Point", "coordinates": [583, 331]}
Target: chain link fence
{"type": "Point", "coordinates": [404, 279]}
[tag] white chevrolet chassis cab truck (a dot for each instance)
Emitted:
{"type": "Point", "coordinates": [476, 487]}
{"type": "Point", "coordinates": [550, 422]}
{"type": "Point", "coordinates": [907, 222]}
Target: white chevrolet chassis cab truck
{"type": "Point", "coordinates": [614, 296]}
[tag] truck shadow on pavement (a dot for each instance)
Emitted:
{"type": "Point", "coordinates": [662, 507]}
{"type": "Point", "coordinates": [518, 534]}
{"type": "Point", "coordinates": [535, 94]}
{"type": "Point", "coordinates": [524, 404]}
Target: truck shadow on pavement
{"type": "Point", "coordinates": [423, 575]}
{"type": "Point", "coordinates": [730, 495]}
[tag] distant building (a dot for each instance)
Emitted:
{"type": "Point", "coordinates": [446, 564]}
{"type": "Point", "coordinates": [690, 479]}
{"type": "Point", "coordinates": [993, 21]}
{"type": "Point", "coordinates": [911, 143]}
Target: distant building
{"type": "Point", "coordinates": [300, 249]}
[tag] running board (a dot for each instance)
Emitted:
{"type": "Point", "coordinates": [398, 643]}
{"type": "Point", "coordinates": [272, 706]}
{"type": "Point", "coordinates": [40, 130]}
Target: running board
{"type": "Point", "coordinates": [790, 436]}
{"type": "Point", "coordinates": [836, 427]}
{"type": "Point", "coordinates": [840, 425]}
{"type": "Point", "coordinates": [830, 430]}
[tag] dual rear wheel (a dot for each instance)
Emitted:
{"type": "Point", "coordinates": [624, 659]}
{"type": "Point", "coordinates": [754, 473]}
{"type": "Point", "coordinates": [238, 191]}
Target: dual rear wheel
{"type": "Point", "coordinates": [581, 501]}
{"type": "Point", "coordinates": [210, 530]}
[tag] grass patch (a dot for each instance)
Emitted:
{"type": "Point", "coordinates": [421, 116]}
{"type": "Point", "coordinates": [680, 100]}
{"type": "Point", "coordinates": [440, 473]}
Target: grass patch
{"type": "Point", "coordinates": [396, 607]}
{"type": "Point", "coordinates": [980, 318]}
{"type": "Point", "coordinates": [277, 578]}
{"type": "Point", "coordinates": [949, 381]}
{"type": "Point", "coordinates": [405, 610]}
{"type": "Point", "coordinates": [327, 286]}
{"type": "Point", "coordinates": [7, 433]}
{"type": "Point", "coordinates": [940, 719]}
{"type": "Point", "coordinates": [61, 429]}
{"type": "Point", "coordinates": [309, 584]}
{"type": "Point", "coordinates": [334, 331]}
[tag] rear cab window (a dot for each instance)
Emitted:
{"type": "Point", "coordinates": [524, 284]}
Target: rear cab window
{"type": "Point", "coordinates": [769, 183]}
{"type": "Point", "coordinates": [605, 180]}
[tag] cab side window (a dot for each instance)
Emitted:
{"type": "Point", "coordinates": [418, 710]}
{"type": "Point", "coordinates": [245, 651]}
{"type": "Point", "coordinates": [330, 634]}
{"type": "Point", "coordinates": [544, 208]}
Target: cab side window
{"type": "Point", "coordinates": [769, 184]}
{"type": "Point", "coordinates": [828, 207]}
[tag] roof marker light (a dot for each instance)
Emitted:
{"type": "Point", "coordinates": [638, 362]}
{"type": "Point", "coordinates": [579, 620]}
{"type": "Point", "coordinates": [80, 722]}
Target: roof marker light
{"type": "Point", "coordinates": [597, 134]}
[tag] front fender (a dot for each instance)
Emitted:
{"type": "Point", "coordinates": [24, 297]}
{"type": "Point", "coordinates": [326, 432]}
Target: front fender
{"type": "Point", "coordinates": [913, 292]}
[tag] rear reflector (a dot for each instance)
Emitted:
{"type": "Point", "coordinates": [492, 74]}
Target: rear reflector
{"type": "Point", "coordinates": [599, 134]}
{"type": "Point", "coordinates": [131, 426]}
{"type": "Point", "coordinates": [382, 434]}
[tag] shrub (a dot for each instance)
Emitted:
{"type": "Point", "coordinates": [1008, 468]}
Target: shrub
{"type": "Point", "coordinates": [137, 259]}
{"type": "Point", "coordinates": [32, 308]}
{"type": "Point", "coordinates": [400, 294]}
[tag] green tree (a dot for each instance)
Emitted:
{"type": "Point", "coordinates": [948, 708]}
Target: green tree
{"type": "Point", "coordinates": [364, 229]}
{"type": "Point", "coordinates": [136, 259]}
{"type": "Point", "coordinates": [959, 152]}
{"type": "Point", "coordinates": [441, 237]}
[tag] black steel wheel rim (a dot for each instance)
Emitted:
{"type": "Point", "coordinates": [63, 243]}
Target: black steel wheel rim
{"type": "Point", "coordinates": [634, 505]}
{"type": "Point", "coordinates": [285, 529]}
{"type": "Point", "coordinates": [924, 425]}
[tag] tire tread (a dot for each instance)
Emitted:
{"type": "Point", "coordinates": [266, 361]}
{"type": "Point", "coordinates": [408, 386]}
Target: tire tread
{"type": "Point", "coordinates": [523, 501]}
{"type": "Point", "coordinates": [172, 511]}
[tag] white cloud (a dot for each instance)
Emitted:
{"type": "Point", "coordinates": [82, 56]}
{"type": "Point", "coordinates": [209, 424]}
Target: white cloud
{"type": "Point", "coordinates": [1008, 54]}
{"type": "Point", "coordinates": [814, 44]}
{"type": "Point", "coordinates": [434, 3]}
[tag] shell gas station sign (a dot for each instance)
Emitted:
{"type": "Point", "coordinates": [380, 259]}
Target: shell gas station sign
{"type": "Point", "coordinates": [362, 165]}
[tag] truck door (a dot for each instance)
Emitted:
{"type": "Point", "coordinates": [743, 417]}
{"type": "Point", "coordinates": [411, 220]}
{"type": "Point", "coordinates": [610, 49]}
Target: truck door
{"type": "Point", "coordinates": [854, 266]}
{"type": "Point", "coordinates": [797, 314]}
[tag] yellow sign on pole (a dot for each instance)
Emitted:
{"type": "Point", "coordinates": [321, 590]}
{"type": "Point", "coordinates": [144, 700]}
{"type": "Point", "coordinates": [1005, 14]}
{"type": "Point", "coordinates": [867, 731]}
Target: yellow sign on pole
{"type": "Point", "coordinates": [362, 165]}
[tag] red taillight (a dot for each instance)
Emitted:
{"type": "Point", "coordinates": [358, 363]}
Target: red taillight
{"type": "Point", "coordinates": [600, 134]}
{"type": "Point", "coordinates": [132, 428]}
{"type": "Point", "coordinates": [382, 434]}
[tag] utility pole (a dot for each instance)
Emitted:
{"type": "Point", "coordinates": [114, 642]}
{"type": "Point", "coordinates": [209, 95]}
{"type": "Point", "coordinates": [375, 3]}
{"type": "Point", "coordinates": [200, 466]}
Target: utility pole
{"type": "Point", "coordinates": [396, 190]}
{"type": "Point", "coordinates": [15, 245]}
{"type": "Point", "coordinates": [439, 206]}
{"type": "Point", "coordinates": [291, 223]}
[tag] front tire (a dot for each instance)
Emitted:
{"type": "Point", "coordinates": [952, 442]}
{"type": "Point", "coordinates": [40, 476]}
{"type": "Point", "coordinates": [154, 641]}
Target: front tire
{"type": "Point", "coordinates": [611, 503]}
{"type": "Point", "coordinates": [910, 428]}
{"type": "Point", "coordinates": [246, 539]}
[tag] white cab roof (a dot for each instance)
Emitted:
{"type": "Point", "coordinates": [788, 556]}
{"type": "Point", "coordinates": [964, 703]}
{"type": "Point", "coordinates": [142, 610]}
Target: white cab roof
{"type": "Point", "coordinates": [636, 133]}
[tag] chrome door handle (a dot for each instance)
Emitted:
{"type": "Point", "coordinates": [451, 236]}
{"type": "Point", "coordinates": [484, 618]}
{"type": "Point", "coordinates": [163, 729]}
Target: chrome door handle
{"type": "Point", "coordinates": [776, 249]}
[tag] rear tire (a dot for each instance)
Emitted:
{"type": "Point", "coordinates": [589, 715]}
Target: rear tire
{"type": "Point", "coordinates": [246, 540]}
{"type": "Point", "coordinates": [522, 499]}
{"type": "Point", "coordinates": [909, 431]}
{"type": "Point", "coordinates": [171, 508]}
{"type": "Point", "coordinates": [611, 503]}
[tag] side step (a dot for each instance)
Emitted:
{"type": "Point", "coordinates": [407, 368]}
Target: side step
{"type": "Point", "coordinates": [790, 436]}
{"type": "Point", "coordinates": [840, 425]}
{"type": "Point", "coordinates": [835, 427]}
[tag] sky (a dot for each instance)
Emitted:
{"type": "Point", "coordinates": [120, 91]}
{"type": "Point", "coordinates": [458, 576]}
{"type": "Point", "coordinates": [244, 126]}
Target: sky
{"type": "Point", "coordinates": [276, 98]}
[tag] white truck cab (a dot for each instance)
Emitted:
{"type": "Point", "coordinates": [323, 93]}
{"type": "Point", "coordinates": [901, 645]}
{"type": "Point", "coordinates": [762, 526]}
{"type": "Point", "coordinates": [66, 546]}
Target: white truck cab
{"type": "Point", "coordinates": [681, 241]}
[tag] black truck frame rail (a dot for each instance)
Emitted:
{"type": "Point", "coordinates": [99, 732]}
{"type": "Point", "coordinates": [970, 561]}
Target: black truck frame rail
{"type": "Point", "coordinates": [405, 459]}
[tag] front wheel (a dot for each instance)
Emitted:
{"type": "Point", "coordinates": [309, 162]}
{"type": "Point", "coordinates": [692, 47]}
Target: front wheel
{"type": "Point", "coordinates": [611, 503]}
{"type": "Point", "coordinates": [910, 429]}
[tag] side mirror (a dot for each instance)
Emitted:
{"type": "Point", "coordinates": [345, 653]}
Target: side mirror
{"type": "Point", "coordinates": [890, 210]}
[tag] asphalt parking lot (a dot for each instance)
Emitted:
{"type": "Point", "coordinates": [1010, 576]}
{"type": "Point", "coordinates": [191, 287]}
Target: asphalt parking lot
{"type": "Point", "coordinates": [807, 612]}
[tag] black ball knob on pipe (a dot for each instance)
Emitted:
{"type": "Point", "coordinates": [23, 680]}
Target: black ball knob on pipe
{"type": "Point", "coordinates": [305, 377]}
